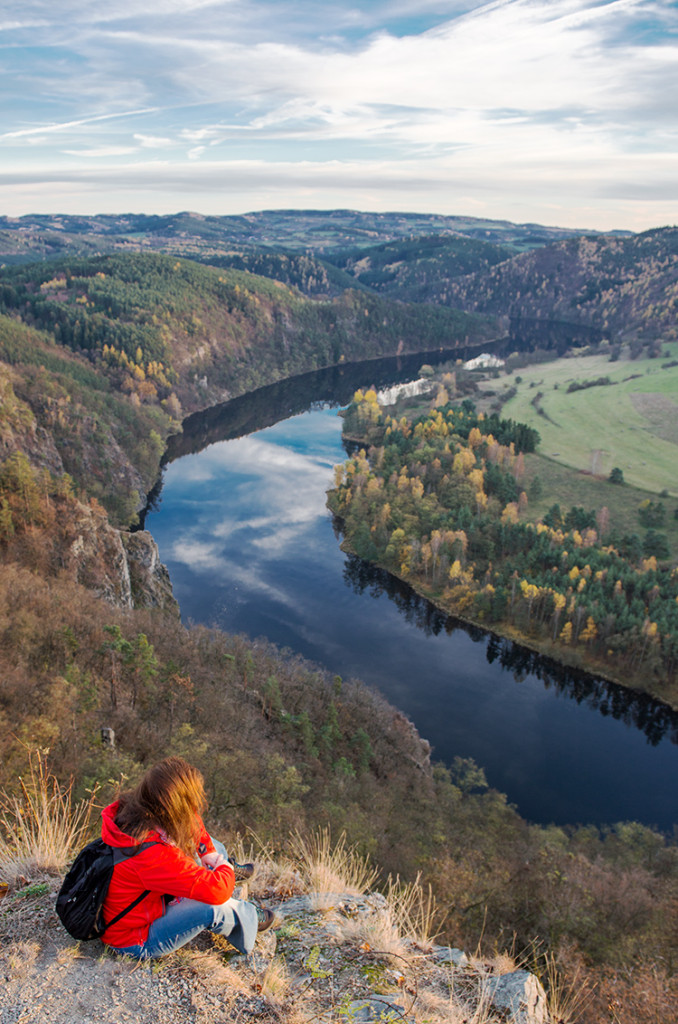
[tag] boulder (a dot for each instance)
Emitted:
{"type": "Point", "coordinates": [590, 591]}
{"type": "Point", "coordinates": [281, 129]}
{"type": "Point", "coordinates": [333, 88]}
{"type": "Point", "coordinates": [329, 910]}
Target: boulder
{"type": "Point", "coordinates": [521, 995]}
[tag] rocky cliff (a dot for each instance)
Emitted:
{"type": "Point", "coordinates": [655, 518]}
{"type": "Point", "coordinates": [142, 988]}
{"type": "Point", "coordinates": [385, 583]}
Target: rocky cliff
{"type": "Point", "coordinates": [123, 568]}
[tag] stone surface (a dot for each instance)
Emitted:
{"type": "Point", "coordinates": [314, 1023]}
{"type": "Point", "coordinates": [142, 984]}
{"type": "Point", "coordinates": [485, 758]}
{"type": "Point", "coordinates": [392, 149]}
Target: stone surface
{"type": "Point", "coordinates": [149, 579]}
{"type": "Point", "coordinates": [448, 955]}
{"type": "Point", "coordinates": [97, 558]}
{"type": "Point", "coordinates": [521, 995]}
{"type": "Point", "coordinates": [374, 1008]}
{"type": "Point", "coordinates": [316, 968]}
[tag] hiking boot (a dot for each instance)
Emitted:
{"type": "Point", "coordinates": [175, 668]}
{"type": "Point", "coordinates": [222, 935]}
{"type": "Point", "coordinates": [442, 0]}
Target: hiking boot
{"type": "Point", "coordinates": [265, 917]}
{"type": "Point", "coordinates": [242, 871]}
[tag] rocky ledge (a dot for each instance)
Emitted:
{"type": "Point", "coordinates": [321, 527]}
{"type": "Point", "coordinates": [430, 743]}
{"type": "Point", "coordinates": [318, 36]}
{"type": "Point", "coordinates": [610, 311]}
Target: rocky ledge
{"type": "Point", "coordinates": [333, 959]}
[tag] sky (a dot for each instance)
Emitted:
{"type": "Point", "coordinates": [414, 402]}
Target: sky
{"type": "Point", "coordinates": [558, 112]}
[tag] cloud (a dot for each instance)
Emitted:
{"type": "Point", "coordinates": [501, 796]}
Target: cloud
{"type": "Point", "coordinates": [198, 554]}
{"type": "Point", "coordinates": [470, 100]}
{"type": "Point", "coordinates": [66, 125]}
{"type": "Point", "coordinates": [100, 152]}
{"type": "Point", "coordinates": [152, 141]}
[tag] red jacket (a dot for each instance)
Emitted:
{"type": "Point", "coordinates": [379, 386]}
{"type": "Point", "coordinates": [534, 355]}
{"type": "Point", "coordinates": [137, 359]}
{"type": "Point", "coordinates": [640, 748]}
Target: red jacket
{"type": "Point", "coordinates": [163, 869]}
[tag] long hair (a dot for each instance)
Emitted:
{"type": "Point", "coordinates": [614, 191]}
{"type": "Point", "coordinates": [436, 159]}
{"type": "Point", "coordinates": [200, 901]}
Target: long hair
{"type": "Point", "coordinates": [170, 796]}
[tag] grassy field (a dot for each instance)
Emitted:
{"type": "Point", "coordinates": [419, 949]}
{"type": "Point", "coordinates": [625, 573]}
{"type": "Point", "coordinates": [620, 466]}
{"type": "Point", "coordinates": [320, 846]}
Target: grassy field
{"type": "Point", "coordinates": [632, 423]}
{"type": "Point", "coordinates": [566, 487]}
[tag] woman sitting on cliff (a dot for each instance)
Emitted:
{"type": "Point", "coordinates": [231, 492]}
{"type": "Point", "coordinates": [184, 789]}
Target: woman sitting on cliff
{"type": "Point", "coordinates": [184, 878]}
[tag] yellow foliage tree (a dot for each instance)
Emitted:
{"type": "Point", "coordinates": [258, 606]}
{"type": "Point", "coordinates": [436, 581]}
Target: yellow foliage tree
{"type": "Point", "coordinates": [510, 513]}
{"type": "Point", "coordinates": [589, 631]}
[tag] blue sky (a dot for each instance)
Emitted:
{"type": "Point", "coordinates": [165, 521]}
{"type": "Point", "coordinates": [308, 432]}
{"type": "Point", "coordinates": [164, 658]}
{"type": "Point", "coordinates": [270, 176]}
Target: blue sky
{"type": "Point", "coordinates": [555, 111]}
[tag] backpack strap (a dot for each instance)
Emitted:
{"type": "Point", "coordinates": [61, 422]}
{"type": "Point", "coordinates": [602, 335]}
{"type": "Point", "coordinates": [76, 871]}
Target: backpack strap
{"type": "Point", "coordinates": [127, 909]}
{"type": "Point", "coordinates": [125, 853]}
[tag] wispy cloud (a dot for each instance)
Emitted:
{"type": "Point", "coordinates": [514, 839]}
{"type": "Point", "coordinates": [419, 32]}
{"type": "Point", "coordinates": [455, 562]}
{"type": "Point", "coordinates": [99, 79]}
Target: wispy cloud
{"type": "Point", "coordinates": [62, 126]}
{"type": "Point", "coordinates": [486, 103]}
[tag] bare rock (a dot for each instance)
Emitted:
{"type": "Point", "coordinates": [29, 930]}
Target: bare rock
{"type": "Point", "coordinates": [123, 568]}
{"type": "Point", "coordinates": [374, 1008]}
{"type": "Point", "coordinates": [150, 581]}
{"type": "Point", "coordinates": [449, 955]}
{"type": "Point", "coordinates": [521, 995]}
{"type": "Point", "coordinates": [97, 558]}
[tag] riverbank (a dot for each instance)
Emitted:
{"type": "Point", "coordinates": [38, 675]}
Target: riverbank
{"type": "Point", "coordinates": [580, 661]}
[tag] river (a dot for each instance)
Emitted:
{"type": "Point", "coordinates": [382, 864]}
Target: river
{"type": "Point", "coordinates": [241, 523]}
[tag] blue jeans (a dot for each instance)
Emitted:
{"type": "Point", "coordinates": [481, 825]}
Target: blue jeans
{"type": "Point", "coordinates": [182, 921]}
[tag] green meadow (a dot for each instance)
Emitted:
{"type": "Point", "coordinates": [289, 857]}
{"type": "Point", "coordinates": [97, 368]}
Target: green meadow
{"type": "Point", "coordinates": [631, 423]}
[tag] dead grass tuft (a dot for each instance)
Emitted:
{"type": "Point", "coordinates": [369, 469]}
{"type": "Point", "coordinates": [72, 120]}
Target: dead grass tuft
{"type": "Point", "coordinates": [375, 932]}
{"type": "Point", "coordinates": [41, 829]}
{"type": "Point", "coordinates": [19, 960]}
{"type": "Point", "coordinates": [274, 875]}
{"type": "Point", "coordinates": [414, 910]}
{"type": "Point", "coordinates": [275, 983]}
{"type": "Point", "coordinates": [468, 1005]}
{"type": "Point", "coordinates": [329, 868]}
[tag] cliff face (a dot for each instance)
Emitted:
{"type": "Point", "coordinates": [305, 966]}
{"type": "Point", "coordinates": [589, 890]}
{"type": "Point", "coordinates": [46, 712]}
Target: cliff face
{"type": "Point", "coordinates": [150, 584]}
{"type": "Point", "coordinates": [122, 568]}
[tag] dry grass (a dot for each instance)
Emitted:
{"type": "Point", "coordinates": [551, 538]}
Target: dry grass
{"type": "Point", "coordinates": [274, 876]}
{"type": "Point", "coordinates": [275, 983]}
{"type": "Point", "coordinates": [414, 910]}
{"type": "Point", "coordinates": [567, 998]}
{"type": "Point", "coordinates": [472, 1006]}
{"type": "Point", "coordinates": [19, 959]}
{"type": "Point", "coordinates": [375, 932]}
{"type": "Point", "coordinates": [209, 968]}
{"type": "Point", "coordinates": [408, 916]}
{"type": "Point", "coordinates": [328, 868]}
{"type": "Point", "coordinates": [41, 829]}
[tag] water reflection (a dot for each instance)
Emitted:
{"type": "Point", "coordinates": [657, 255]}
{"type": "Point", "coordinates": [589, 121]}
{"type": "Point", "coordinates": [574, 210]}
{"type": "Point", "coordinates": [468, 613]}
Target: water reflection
{"type": "Point", "coordinates": [635, 710]}
{"type": "Point", "coordinates": [243, 528]}
{"type": "Point", "coordinates": [268, 405]}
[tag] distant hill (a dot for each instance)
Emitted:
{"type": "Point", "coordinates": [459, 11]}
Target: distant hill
{"type": "Point", "coordinates": [616, 285]}
{"type": "Point", "coordinates": [317, 232]}
{"type": "Point", "coordinates": [419, 269]}
{"type": "Point", "coordinates": [625, 287]}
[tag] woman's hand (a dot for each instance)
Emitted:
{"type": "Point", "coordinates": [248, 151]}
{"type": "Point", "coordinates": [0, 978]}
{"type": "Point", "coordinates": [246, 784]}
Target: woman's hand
{"type": "Point", "coordinates": [213, 860]}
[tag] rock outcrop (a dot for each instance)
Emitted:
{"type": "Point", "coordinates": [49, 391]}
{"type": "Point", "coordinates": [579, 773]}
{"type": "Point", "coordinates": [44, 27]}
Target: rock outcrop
{"type": "Point", "coordinates": [123, 568]}
{"type": "Point", "coordinates": [150, 582]}
{"type": "Point", "coordinates": [336, 958]}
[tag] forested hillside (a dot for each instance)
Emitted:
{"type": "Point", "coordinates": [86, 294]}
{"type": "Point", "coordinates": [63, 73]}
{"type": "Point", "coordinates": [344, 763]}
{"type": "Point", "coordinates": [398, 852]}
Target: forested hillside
{"type": "Point", "coordinates": [68, 415]}
{"type": "Point", "coordinates": [626, 287]}
{"type": "Point", "coordinates": [419, 269]}
{"type": "Point", "coordinates": [439, 502]}
{"type": "Point", "coordinates": [622, 286]}
{"type": "Point", "coordinates": [175, 332]}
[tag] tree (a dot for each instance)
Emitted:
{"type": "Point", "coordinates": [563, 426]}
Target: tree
{"type": "Point", "coordinates": [656, 544]}
{"type": "Point", "coordinates": [6, 521]}
{"type": "Point", "coordinates": [535, 489]}
{"type": "Point", "coordinates": [119, 650]}
{"type": "Point", "coordinates": [616, 476]}
{"type": "Point", "coordinates": [603, 520]}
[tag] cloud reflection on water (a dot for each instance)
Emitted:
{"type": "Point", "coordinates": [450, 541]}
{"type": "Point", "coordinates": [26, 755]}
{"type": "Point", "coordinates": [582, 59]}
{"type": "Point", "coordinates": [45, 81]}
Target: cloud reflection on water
{"type": "Point", "coordinates": [270, 498]}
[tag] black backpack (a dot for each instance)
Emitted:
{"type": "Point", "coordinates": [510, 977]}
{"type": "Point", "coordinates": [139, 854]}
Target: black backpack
{"type": "Point", "coordinates": [81, 897]}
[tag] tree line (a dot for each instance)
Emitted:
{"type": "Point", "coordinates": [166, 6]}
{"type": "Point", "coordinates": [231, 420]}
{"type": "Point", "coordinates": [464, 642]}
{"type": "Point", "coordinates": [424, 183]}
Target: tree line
{"type": "Point", "coordinates": [438, 501]}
